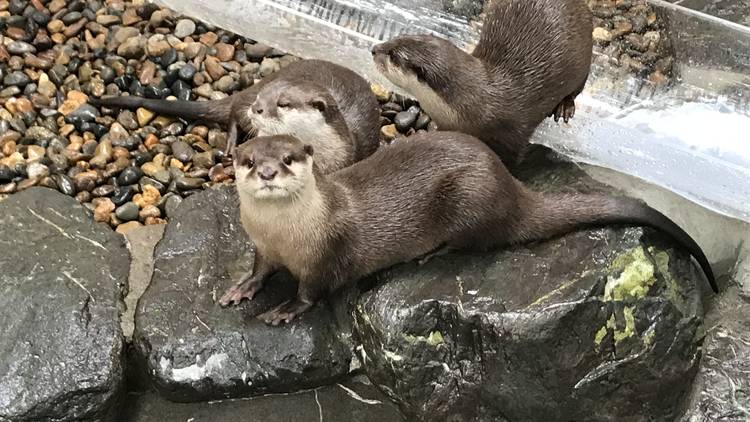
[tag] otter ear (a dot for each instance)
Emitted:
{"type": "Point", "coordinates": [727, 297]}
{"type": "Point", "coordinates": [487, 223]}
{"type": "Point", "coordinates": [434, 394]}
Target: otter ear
{"type": "Point", "coordinates": [308, 149]}
{"type": "Point", "coordinates": [319, 104]}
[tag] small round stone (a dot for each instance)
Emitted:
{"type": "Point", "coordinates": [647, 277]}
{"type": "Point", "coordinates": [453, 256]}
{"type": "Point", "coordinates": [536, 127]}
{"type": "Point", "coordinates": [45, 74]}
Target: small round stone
{"type": "Point", "coordinates": [406, 119]}
{"type": "Point", "coordinates": [65, 184]}
{"type": "Point", "coordinates": [127, 211]}
{"type": "Point", "coordinates": [188, 183]}
{"type": "Point", "coordinates": [129, 176]}
{"type": "Point", "coordinates": [122, 195]}
{"type": "Point", "coordinates": [184, 28]}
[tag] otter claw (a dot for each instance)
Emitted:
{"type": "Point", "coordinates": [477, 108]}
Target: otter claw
{"type": "Point", "coordinates": [286, 312]}
{"type": "Point", "coordinates": [566, 109]}
{"type": "Point", "coordinates": [235, 294]}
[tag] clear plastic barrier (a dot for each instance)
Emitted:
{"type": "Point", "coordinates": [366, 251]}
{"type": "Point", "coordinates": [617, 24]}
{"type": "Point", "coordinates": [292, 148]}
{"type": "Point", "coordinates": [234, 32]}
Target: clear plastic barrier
{"type": "Point", "coordinates": [692, 138]}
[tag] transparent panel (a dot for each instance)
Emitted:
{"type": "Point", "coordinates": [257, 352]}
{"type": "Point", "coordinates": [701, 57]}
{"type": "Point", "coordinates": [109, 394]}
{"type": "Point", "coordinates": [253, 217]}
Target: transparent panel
{"type": "Point", "coordinates": [692, 137]}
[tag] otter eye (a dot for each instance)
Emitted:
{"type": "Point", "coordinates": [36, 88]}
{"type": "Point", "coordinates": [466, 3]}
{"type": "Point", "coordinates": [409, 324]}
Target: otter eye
{"type": "Point", "coordinates": [287, 159]}
{"type": "Point", "coordinates": [283, 103]}
{"type": "Point", "coordinates": [250, 163]}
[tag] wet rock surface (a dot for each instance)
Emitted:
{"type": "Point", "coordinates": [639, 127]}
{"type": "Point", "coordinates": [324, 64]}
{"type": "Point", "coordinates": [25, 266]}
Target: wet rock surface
{"type": "Point", "coordinates": [61, 284]}
{"type": "Point", "coordinates": [595, 325]}
{"type": "Point", "coordinates": [350, 400]}
{"type": "Point", "coordinates": [721, 388]}
{"type": "Point", "coordinates": [195, 350]}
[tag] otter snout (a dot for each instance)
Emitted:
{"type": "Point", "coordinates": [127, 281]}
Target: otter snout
{"type": "Point", "coordinates": [378, 49]}
{"type": "Point", "coordinates": [267, 173]}
{"type": "Point", "coordinates": [380, 55]}
{"type": "Point", "coordinates": [256, 108]}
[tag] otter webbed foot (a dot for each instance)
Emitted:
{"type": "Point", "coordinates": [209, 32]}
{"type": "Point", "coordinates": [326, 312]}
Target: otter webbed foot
{"type": "Point", "coordinates": [566, 109]}
{"type": "Point", "coordinates": [243, 290]}
{"type": "Point", "coordinates": [285, 312]}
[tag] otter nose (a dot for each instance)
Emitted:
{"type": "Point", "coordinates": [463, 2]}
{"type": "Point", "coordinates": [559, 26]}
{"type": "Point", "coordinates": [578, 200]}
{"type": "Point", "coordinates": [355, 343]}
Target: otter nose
{"type": "Point", "coordinates": [267, 173]}
{"type": "Point", "coordinates": [257, 109]}
{"type": "Point", "coordinates": [381, 48]}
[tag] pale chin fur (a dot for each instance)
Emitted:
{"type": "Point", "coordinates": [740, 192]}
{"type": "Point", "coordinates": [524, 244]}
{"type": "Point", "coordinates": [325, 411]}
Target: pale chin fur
{"type": "Point", "coordinates": [310, 127]}
{"type": "Point", "coordinates": [280, 188]}
{"type": "Point", "coordinates": [429, 100]}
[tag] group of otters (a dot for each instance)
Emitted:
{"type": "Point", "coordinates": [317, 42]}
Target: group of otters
{"type": "Point", "coordinates": [321, 199]}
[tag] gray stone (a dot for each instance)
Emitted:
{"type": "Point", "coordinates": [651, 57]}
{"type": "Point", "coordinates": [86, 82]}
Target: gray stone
{"type": "Point", "coordinates": [268, 66]}
{"type": "Point", "coordinates": [39, 133]}
{"type": "Point", "coordinates": [351, 400]}
{"type": "Point", "coordinates": [63, 277]}
{"type": "Point", "coordinates": [141, 243]}
{"type": "Point", "coordinates": [171, 203]}
{"type": "Point", "coordinates": [184, 28]}
{"type": "Point", "coordinates": [132, 48]}
{"type": "Point", "coordinates": [182, 151]}
{"type": "Point", "coordinates": [16, 78]}
{"type": "Point", "coordinates": [598, 324]}
{"type": "Point", "coordinates": [20, 48]}
{"type": "Point", "coordinates": [195, 350]}
{"type": "Point", "coordinates": [127, 211]}
{"type": "Point", "coordinates": [37, 170]}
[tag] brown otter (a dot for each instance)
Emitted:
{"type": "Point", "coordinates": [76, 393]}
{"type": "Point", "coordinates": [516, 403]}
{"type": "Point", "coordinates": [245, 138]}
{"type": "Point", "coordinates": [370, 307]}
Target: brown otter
{"type": "Point", "coordinates": [532, 60]}
{"type": "Point", "coordinates": [344, 92]}
{"type": "Point", "coordinates": [433, 192]}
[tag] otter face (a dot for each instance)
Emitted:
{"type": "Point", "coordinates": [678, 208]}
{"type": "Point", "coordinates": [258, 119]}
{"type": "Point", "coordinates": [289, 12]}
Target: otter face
{"type": "Point", "coordinates": [273, 168]}
{"type": "Point", "coordinates": [410, 60]}
{"type": "Point", "coordinates": [423, 65]}
{"type": "Point", "coordinates": [282, 108]}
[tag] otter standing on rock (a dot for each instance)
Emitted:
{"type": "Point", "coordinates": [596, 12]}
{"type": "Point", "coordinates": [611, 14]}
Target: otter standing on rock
{"type": "Point", "coordinates": [532, 60]}
{"type": "Point", "coordinates": [431, 193]}
{"type": "Point", "coordinates": [348, 119]}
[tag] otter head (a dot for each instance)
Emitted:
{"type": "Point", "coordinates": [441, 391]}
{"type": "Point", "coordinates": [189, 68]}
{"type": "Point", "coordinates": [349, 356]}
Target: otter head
{"type": "Point", "coordinates": [296, 108]}
{"type": "Point", "coordinates": [274, 168]}
{"type": "Point", "coordinates": [425, 66]}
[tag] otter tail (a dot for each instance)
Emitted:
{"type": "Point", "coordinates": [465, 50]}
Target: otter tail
{"type": "Point", "coordinates": [215, 111]}
{"type": "Point", "coordinates": [556, 214]}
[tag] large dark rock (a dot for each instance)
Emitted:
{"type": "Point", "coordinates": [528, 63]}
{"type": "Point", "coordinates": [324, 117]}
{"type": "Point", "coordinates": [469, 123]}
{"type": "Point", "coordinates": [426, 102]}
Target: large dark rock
{"type": "Point", "coordinates": [351, 400]}
{"type": "Point", "coordinates": [195, 350]}
{"type": "Point", "coordinates": [61, 283]}
{"type": "Point", "coordinates": [595, 325]}
{"type": "Point", "coordinates": [722, 387]}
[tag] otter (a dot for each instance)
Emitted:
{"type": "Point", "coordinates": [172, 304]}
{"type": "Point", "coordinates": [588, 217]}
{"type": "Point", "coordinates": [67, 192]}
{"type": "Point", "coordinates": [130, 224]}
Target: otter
{"type": "Point", "coordinates": [532, 60]}
{"type": "Point", "coordinates": [416, 198]}
{"type": "Point", "coordinates": [342, 92]}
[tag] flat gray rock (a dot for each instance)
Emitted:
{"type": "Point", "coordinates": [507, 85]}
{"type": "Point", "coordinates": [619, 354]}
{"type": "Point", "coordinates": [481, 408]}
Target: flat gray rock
{"type": "Point", "coordinates": [595, 325]}
{"type": "Point", "coordinates": [349, 400]}
{"type": "Point", "coordinates": [192, 349]}
{"type": "Point", "coordinates": [61, 284]}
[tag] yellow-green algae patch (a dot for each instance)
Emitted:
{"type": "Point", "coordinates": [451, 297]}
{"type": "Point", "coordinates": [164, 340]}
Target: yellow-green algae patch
{"type": "Point", "coordinates": [629, 329]}
{"type": "Point", "coordinates": [600, 336]}
{"type": "Point", "coordinates": [648, 338]}
{"type": "Point", "coordinates": [636, 276]}
{"type": "Point", "coordinates": [673, 290]}
{"type": "Point", "coordinates": [435, 338]}
{"type": "Point", "coordinates": [619, 335]}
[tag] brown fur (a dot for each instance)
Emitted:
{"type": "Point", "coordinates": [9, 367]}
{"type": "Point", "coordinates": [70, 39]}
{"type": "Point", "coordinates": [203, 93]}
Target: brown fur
{"type": "Point", "coordinates": [350, 92]}
{"type": "Point", "coordinates": [532, 60]}
{"type": "Point", "coordinates": [407, 200]}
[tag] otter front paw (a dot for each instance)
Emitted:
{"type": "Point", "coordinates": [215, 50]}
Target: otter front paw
{"type": "Point", "coordinates": [236, 293]}
{"type": "Point", "coordinates": [285, 312]}
{"type": "Point", "coordinates": [566, 109]}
